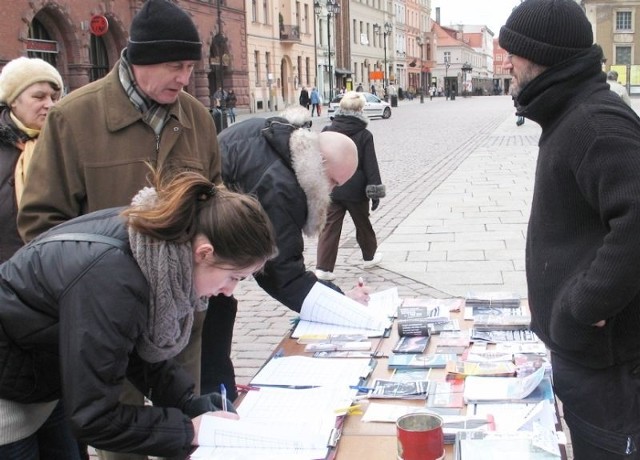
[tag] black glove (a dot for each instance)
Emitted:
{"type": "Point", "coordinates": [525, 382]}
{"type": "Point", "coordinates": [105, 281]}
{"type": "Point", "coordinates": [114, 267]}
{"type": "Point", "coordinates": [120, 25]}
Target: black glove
{"type": "Point", "coordinates": [375, 204]}
{"type": "Point", "coordinates": [198, 405]}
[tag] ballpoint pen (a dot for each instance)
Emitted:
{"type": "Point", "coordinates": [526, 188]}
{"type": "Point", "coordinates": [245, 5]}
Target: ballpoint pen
{"type": "Point", "coordinates": [241, 387]}
{"type": "Point", "coordinates": [223, 393]}
{"type": "Point", "coordinates": [361, 282]}
{"type": "Point", "coordinates": [361, 388]}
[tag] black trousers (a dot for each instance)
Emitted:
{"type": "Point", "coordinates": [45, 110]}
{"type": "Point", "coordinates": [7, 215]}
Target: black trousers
{"type": "Point", "coordinates": [217, 335]}
{"type": "Point", "coordinates": [601, 408]}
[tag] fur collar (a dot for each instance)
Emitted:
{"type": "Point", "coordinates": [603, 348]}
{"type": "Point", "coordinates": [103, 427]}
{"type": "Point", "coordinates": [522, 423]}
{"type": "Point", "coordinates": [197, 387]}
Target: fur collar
{"type": "Point", "coordinates": [352, 113]}
{"type": "Point", "coordinates": [308, 166]}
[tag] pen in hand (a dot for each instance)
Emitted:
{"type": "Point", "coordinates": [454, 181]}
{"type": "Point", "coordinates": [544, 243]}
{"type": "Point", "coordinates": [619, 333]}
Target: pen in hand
{"type": "Point", "coordinates": [223, 393]}
{"type": "Point", "coordinates": [361, 282]}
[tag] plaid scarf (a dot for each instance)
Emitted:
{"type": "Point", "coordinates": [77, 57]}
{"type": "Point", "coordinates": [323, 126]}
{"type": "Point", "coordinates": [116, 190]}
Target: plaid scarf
{"type": "Point", "coordinates": [153, 114]}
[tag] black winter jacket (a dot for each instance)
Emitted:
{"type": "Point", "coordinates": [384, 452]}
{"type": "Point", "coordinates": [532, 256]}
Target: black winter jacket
{"type": "Point", "coordinates": [71, 315]}
{"type": "Point", "coordinates": [368, 172]}
{"type": "Point", "coordinates": [583, 241]}
{"type": "Point", "coordinates": [10, 136]}
{"type": "Point", "coordinates": [257, 159]}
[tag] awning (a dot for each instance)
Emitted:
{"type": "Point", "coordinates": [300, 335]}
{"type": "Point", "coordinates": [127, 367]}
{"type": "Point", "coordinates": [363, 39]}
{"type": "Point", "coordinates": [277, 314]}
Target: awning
{"type": "Point", "coordinates": [339, 71]}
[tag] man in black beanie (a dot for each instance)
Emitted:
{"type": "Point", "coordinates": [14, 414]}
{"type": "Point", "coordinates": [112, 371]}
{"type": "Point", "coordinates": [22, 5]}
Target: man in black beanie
{"type": "Point", "coordinates": [93, 150]}
{"type": "Point", "coordinates": [582, 243]}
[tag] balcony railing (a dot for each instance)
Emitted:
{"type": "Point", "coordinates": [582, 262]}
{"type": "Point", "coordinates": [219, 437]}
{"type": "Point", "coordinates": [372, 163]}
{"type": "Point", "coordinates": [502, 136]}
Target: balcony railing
{"type": "Point", "coordinates": [289, 33]}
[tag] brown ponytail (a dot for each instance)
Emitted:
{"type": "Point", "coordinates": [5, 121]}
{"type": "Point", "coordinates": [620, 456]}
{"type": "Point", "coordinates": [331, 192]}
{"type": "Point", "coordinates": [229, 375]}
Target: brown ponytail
{"type": "Point", "coordinates": [188, 205]}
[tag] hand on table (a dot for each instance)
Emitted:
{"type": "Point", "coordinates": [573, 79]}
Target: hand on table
{"type": "Point", "coordinates": [196, 422]}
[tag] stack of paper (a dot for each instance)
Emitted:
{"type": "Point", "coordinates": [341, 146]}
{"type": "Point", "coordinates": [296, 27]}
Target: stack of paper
{"type": "Point", "coordinates": [305, 372]}
{"type": "Point", "coordinates": [328, 312]}
{"type": "Point", "coordinates": [275, 423]}
{"type": "Point", "coordinates": [478, 389]}
{"type": "Point", "coordinates": [499, 299]}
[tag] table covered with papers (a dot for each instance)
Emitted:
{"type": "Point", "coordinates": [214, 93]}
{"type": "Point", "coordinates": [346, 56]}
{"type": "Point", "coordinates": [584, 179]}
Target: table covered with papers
{"type": "Point", "coordinates": [494, 397]}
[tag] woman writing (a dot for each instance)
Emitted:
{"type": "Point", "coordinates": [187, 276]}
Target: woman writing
{"type": "Point", "coordinates": [111, 295]}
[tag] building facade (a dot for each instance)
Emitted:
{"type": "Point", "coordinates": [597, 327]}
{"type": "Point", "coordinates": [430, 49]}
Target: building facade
{"type": "Point", "coordinates": [83, 39]}
{"type": "Point", "coordinates": [501, 76]}
{"type": "Point", "coordinates": [616, 28]}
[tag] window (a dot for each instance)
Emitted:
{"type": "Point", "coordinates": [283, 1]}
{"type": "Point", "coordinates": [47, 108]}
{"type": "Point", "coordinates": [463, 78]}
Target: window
{"type": "Point", "coordinates": [623, 55]}
{"type": "Point", "coordinates": [265, 11]}
{"type": "Point", "coordinates": [267, 64]}
{"type": "Point", "coordinates": [98, 57]}
{"type": "Point", "coordinates": [623, 21]}
{"type": "Point", "coordinates": [307, 65]}
{"type": "Point", "coordinates": [256, 58]}
{"type": "Point", "coordinates": [300, 69]}
{"type": "Point", "coordinates": [254, 10]}
{"type": "Point", "coordinates": [306, 18]}
{"type": "Point", "coordinates": [37, 31]}
{"type": "Point", "coordinates": [355, 32]}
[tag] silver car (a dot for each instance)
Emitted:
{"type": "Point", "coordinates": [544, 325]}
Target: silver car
{"type": "Point", "coordinates": [375, 107]}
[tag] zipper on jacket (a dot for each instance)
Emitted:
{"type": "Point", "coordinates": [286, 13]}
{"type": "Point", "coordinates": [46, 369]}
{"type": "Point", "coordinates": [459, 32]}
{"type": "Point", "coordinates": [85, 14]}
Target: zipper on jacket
{"type": "Point", "coordinates": [157, 143]}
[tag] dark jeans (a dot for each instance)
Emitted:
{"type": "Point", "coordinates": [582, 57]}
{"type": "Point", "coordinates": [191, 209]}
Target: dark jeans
{"type": "Point", "coordinates": [217, 334]}
{"type": "Point", "coordinates": [53, 441]}
{"type": "Point", "coordinates": [601, 408]}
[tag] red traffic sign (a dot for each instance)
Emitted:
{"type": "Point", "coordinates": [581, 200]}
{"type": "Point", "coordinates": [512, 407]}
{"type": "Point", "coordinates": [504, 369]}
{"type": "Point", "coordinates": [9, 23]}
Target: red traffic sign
{"type": "Point", "coordinates": [99, 25]}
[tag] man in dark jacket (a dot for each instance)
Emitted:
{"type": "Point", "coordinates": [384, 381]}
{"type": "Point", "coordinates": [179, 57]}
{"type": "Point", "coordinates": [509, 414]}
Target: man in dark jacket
{"type": "Point", "coordinates": [582, 243]}
{"type": "Point", "coordinates": [355, 194]}
{"type": "Point", "coordinates": [291, 170]}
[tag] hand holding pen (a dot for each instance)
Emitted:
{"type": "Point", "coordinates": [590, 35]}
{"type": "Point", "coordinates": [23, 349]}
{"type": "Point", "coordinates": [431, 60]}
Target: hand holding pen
{"type": "Point", "coordinates": [360, 293]}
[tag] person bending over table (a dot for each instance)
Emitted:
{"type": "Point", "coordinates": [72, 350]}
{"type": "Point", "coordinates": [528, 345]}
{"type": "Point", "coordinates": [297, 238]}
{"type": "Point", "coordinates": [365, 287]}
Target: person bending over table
{"type": "Point", "coordinates": [112, 295]}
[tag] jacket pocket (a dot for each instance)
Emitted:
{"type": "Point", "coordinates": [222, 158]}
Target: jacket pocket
{"type": "Point", "coordinates": [574, 336]}
{"type": "Point", "coordinates": [28, 377]}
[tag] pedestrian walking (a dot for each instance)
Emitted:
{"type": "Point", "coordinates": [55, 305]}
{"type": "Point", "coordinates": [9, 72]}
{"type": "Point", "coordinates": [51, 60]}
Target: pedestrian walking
{"type": "Point", "coordinates": [316, 102]}
{"type": "Point", "coordinates": [219, 98]}
{"type": "Point", "coordinates": [232, 100]}
{"type": "Point", "coordinates": [582, 246]}
{"type": "Point", "coordinates": [354, 195]}
{"type": "Point", "coordinates": [612, 80]}
{"type": "Point", "coordinates": [304, 98]}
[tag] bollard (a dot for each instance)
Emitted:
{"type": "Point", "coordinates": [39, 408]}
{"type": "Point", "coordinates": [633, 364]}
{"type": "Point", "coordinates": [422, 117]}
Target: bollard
{"type": "Point", "coordinates": [421, 98]}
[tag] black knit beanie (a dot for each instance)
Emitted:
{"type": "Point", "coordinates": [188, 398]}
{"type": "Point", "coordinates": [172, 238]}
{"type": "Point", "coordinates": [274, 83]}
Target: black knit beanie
{"type": "Point", "coordinates": [162, 32]}
{"type": "Point", "coordinates": [546, 32]}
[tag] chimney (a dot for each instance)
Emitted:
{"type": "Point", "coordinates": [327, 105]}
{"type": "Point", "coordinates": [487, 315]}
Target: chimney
{"type": "Point", "coordinates": [438, 15]}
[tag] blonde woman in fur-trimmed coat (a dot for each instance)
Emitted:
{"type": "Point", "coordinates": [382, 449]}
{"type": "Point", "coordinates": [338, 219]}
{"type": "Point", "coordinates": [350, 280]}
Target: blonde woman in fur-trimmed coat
{"type": "Point", "coordinates": [352, 197]}
{"type": "Point", "coordinates": [291, 170]}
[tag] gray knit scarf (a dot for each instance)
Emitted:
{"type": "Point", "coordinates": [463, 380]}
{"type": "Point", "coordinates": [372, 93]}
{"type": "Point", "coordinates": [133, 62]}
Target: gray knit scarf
{"type": "Point", "coordinates": [168, 269]}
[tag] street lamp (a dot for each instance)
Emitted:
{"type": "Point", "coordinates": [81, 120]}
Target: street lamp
{"type": "Point", "coordinates": [447, 64]}
{"type": "Point", "coordinates": [333, 8]}
{"type": "Point", "coordinates": [385, 30]}
{"type": "Point", "coordinates": [420, 42]}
